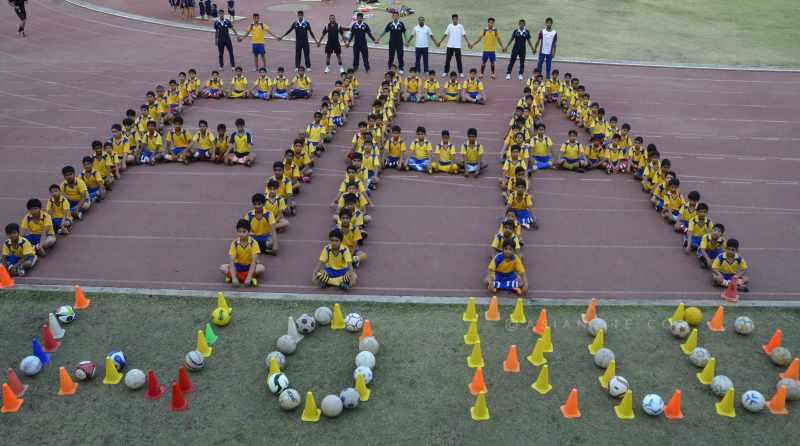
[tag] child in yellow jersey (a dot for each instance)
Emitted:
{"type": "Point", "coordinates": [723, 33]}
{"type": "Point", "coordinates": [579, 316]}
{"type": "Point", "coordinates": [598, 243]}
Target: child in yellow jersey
{"type": "Point", "coordinates": [394, 150]}
{"type": "Point", "coordinates": [151, 146]}
{"type": "Point", "coordinates": [193, 84]}
{"type": "Point", "coordinates": [327, 122]}
{"type": "Point", "coordinates": [241, 142]}
{"type": "Point", "coordinates": [362, 201]}
{"type": "Point", "coordinates": [521, 203]}
{"type": "Point", "coordinates": [173, 101]}
{"type": "Point", "coordinates": [18, 254]}
{"type": "Point", "coordinates": [262, 225]}
{"type": "Point", "coordinates": [651, 169]}
{"type": "Point", "coordinates": [276, 204]}
{"type": "Point", "coordinates": [659, 194]}
{"type": "Point", "coordinates": [315, 134]}
{"type": "Point", "coordinates": [337, 109]}
{"type": "Point", "coordinates": [113, 160]}
{"type": "Point", "coordinates": [594, 153]}
{"type": "Point", "coordinates": [301, 85]}
{"type": "Point", "coordinates": [491, 38]}
{"type": "Point", "coordinates": [103, 164]}
{"type": "Point", "coordinates": [473, 89]}
{"type": "Point", "coordinates": [37, 227]}
{"type": "Point", "coordinates": [673, 202]}
{"type": "Point", "coordinates": [420, 158]}
{"type": "Point", "coordinates": [520, 176]}
{"type": "Point", "coordinates": [541, 148]}
{"type": "Point", "coordinates": [215, 87]}
{"type": "Point", "coordinates": [625, 136]}
{"type": "Point", "coordinates": [93, 181]}
{"type": "Point", "coordinates": [358, 140]}
{"type": "Point", "coordinates": [178, 142]}
{"type": "Point", "coordinates": [510, 166]}
{"type": "Point", "coordinates": [335, 266]}
{"type": "Point", "coordinates": [506, 232]}
{"type": "Point", "coordinates": [291, 167]}
{"type": "Point", "coordinates": [256, 31]}
{"type": "Point", "coordinates": [615, 157]}
{"type": "Point", "coordinates": [612, 128]}
{"type": "Point", "coordinates": [221, 145]}
{"type": "Point", "coordinates": [262, 86]}
{"type": "Point", "coordinates": [431, 88]}
{"type": "Point", "coordinates": [353, 174]}
{"type": "Point", "coordinates": [162, 105]}
{"type": "Point", "coordinates": [352, 238]}
{"type": "Point", "coordinates": [372, 163]}
{"type": "Point", "coordinates": [58, 209]}
{"type": "Point", "coordinates": [452, 89]}
{"type": "Point", "coordinates": [359, 220]}
{"type": "Point", "coordinates": [303, 153]}
{"type": "Point", "coordinates": [699, 226]}
{"type": "Point", "coordinates": [599, 126]}
{"type": "Point", "coordinates": [130, 132]}
{"type": "Point", "coordinates": [687, 212]}
{"type": "Point", "coordinates": [445, 155]}
{"type": "Point", "coordinates": [660, 180]}
{"type": "Point", "coordinates": [201, 146]}
{"type": "Point", "coordinates": [285, 187]}
{"type": "Point", "coordinates": [183, 89]}
{"type": "Point", "coordinates": [121, 146]}
{"type": "Point", "coordinates": [76, 192]}
{"type": "Point", "coordinates": [518, 139]}
{"type": "Point", "coordinates": [506, 271]}
{"type": "Point", "coordinates": [472, 155]}
{"type": "Point", "coordinates": [638, 158]}
{"type": "Point", "coordinates": [730, 265]}
{"type": "Point", "coordinates": [711, 245]}
{"type": "Point", "coordinates": [243, 267]}
{"type": "Point", "coordinates": [239, 85]}
{"type": "Point", "coordinates": [571, 154]}
{"type": "Point", "coordinates": [552, 88]}
{"type": "Point", "coordinates": [412, 87]}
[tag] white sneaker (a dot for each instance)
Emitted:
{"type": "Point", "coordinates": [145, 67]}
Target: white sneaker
{"type": "Point", "coordinates": [402, 72]}
{"type": "Point", "coordinates": [341, 69]}
{"type": "Point", "coordinates": [444, 74]}
{"type": "Point", "coordinates": [327, 69]}
{"type": "Point", "coordinates": [520, 77]}
{"type": "Point", "coordinates": [508, 76]}
{"type": "Point", "coordinates": [461, 75]}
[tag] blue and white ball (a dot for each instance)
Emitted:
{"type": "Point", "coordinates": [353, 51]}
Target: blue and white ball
{"type": "Point", "coordinates": [119, 359]}
{"type": "Point", "coordinates": [30, 365]}
{"type": "Point", "coordinates": [349, 397]}
{"type": "Point", "coordinates": [753, 401]}
{"type": "Point", "coordinates": [618, 386]}
{"type": "Point", "coordinates": [365, 371]}
{"type": "Point", "coordinates": [194, 361]}
{"type": "Point", "coordinates": [653, 405]}
{"type": "Point", "coordinates": [720, 385]}
{"type": "Point", "coordinates": [277, 383]}
{"type": "Point", "coordinates": [680, 329]}
{"type": "Point", "coordinates": [353, 322]}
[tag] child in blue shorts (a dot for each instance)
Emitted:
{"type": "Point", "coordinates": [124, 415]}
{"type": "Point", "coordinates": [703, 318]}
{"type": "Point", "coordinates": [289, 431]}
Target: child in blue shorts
{"type": "Point", "coordinates": [711, 245]}
{"type": "Point", "coordinates": [699, 226]}
{"type": "Point", "coordinates": [506, 271]}
{"type": "Point", "coordinates": [18, 253]}
{"type": "Point", "coordinates": [335, 266]}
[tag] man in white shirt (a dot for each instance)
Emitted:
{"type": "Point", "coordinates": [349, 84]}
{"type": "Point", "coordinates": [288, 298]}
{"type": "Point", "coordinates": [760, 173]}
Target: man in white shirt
{"type": "Point", "coordinates": [421, 33]}
{"type": "Point", "coordinates": [455, 33]}
{"type": "Point", "coordinates": [548, 39]}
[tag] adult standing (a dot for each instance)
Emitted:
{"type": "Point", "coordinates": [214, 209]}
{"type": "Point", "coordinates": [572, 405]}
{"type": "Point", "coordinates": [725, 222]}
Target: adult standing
{"type": "Point", "coordinates": [222, 36]}
{"type": "Point", "coordinates": [397, 35]}
{"type": "Point", "coordinates": [358, 34]}
{"type": "Point", "coordinates": [548, 39]}
{"type": "Point", "coordinates": [422, 34]}
{"type": "Point", "coordinates": [19, 9]}
{"type": "Point", "coordinates": [256, 32]}
{"type": "Point", "coordinates": [454, 33]}
{"type": "Point", "coordinates": [333, 30]}
{"type": "Point", "coordinates": [301, 28]}
{"type": "Point", "coordinates": [520, 37]}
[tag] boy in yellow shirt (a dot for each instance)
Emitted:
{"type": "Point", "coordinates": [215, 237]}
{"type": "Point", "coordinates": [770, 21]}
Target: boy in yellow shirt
{"type": "Point", "coordinates": [521, 203]}
{"type": "Point", "coordinates": [103, 164]}
{"type": "Point", "coordinates": [687, 212]}
{"type": "Point", "coordinates": [280, 85]}
{"type": "Point", "coordinates": [711, 246]}
{"type": "Point", "coordinates": [510, 166]}
{"type": "Point", "coordinates": [202, 145]}
{"type": "Point", "coordinates": [541, 147]}
{"type": "Point", "coordinates": [76, 192]}
{"type": "Point", "coordinates": [262, 225]}
{"type": "Point", "coordinates": [506, 272]}
{"type": "Point", "coordinates": [239, 85]}
{"type": "Point", "coordinates": [431, 88]}
{"type": "Point", "coordinates": [241, 142]}
{"type": "Point", "coordinates": [193, 84]}
{"type": "Point", "coordinates": [301, 85]}
{"type": "Point", "coordinates": [315, 134]}
{"type": "Point", "coordinates": [178, 142]}
{"type": "Point", "coordinates": [394, 150]}
{"type": "Point", "coordinates": [215, 87]}
{"type": "Point", "coordinates": [243, 267]}
{"type": "Point", "coordinates": [335, 266]}
{"type": "Point", "coordinates": [37, 227]}
{"type": "Point", "coordinates": [491, 38]}
{"type": "Point", "coordinates": [507, 228]}
{"type": "Point", "coordinates": [18, 255]}
{"type": "Point", "coordinates": [151, 146]}
{"type": "Point", "coordinates": [285, 187]}
{"type": "Point", "coordinates": [445, 155]}
{"type": "Point", "coordinates": [420, 158]}
{"type": "Point", "coordinates": [93, 180]}
{"type": "Point", "coordinates": [730, 265]}
{"type": "Point", "coordinates": [699, 226]}
{"type": "Point", "coordinates": [412, 87]}
{"type": "Point", "coordinates": [352, 238]}
{"type": "Point", "coordinates": [571, 154]}
{"type": "Point", "coordinates": [262, 86]}
{"type": "Point", "coordinates": [472, 155]}
{"type": "Point", "coordinates": [276, 205]}
{"type": "Point", "coordinates": [58, 209]}
{"type": "Point", "coordinates": [452, 89]}
{"type": "Point", "coordinates": [256, 31]}
{"type": "Point", "coordinates": [473, 88]}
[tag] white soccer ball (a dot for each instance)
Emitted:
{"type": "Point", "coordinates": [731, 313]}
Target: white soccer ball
{"type": "Point", "coordinates": [194, 361]}
{"type": "Point", "coordinates": [792, 388]}
{"type": "Point", "coordinates": [780, 356]}
{"type": "Point", "coordinates": [596, 325]}
{"type": "Point", "coordinates": [720, 385]}
{"type": "Point", "coordinates": [305, 324]}
{"type": "Point", "coordinates": [331, 406]}
{"type": "Point", "coordinates": [753, 401]}
{"type": "Point", "coordinates": [286, 344]}
{"type": "Point", "coordinates": [66, 314]}
{"type": "Point", "coordinates": [369, 344]}
{"type": "Point", "coordinates": [349, 397]}
{"type": "Point", "coordinates": [353, 322]}
{"type": "Point", "coordinates": [366, 371]}
{"type": "Point", "coordinates": [617, 386]}
{"type": "Point", "coordinates": [743, 325]}
{"type": "Point", "coordinates": [135, 379]}
{"type": "Point", "coordinates": [603, 357]}
{"type": "Point", "coordinates": [323, 315]}
{"type": "Point", "coordinates": [680, 329]}
{"type": "Point", "coordinates": [699, 357]}
{"type": "Point", "coordinates": [30, 365]}
{"type": "Point", "coordinates": [277, 383]}
{"type": "Point", "coordinates": [653, 405]}
{"type": "Point", "coordinates": [277, 355]}
{"type": "Point", "coordinates": [289, 399]}
{"type": "Point", "coordinates": [365, 359]}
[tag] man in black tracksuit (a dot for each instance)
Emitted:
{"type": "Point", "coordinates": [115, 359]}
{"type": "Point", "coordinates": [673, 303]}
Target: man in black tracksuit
{"type": "Point", "coordinates": [358, 33]}
{"type": "Point", "coordinates": [301, 28]}
{"type": "Point", "coordinates": [520, 37]}
{"type": "Point", "coordinates": [397, 35]}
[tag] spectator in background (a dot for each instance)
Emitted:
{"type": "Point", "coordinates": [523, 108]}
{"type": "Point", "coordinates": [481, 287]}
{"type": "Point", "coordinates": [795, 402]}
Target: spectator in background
{"type": "Point", "coordinates": [397, 33]}
{"type": "Point", "coordinates": [520, 37]}
{"type": "Point", "coordinates": [358, 33]}
{"type": "Point", "coordinates": [301, 28]}
{"type": "Point", "coordinates": [222, 28]}
{"type": "Point", "coordinates": [422, 34]}
{"type": "Point", "coordinates": [548, 39]}
{"type": "Point", "coordinates": [232, 9]}
{"type": "Point", "coordinates": [455, 33]}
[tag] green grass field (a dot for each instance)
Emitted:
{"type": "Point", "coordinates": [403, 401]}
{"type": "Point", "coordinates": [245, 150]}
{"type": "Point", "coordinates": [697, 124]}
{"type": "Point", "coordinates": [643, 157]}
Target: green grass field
{"type": "Point", "coordinates": [419, 393]}
{"type": "Point", "coordinates": [686, 31]}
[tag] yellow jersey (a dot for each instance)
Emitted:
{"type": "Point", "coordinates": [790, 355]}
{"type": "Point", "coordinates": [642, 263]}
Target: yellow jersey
{"type": "Point", "coordinates": [709, 243]}
{"type": "Point", "coordinates": [275, 205]}
{"type": "Point", "coordinates": [315, 132]}
{"type": "Point", "coordinates": [74, 191]}
{"type": "Point", "coordinates": [452, 88]}
{"type": "Point", "coordinates": [446, 153]}
{"type": "Point", "coordinates": [541, 145]}
{"type": "Point", "coordinates": [489, 40]}
{"type": "Point", "coordinates": [204, 141]}
{"type": "Point", "coordinates": [503, 265]}
{"type": "Point", "coordinates": [421, 149]}
{"type": "Point", "coordinates": [510, 166]}
{"type": "Point", "coordinates": [92, 179]}
{"type": "Point", "coordinates": [699, 228]}
{"type": "Point", "coordinates": [242, 142]}
{"type": "Point", "coordinates": [301, 82]}
{"type": "Point", "coordinates": [179, 139]}
{"type": "Point", "coordinates": [121, 146]}
{"type": "Point", "coordinates": [571, 151]}
{"type": "Point", "coordinates": [336, 259]}
{"type": "Point", "coordinates": [351, 237]}
{"type": "Point", "coordinates": [239, 83]}
{"type": "Point", "coordinates": [244, 252]}
{"type": "Point", "coordinates": [280, 83]}
{"type": "Point", "coordinates": [472, 153]}
{"type": "Point", "coordinates": [412, 85]}
{"type": "Point", "coordinates": [215, 84]}
{"type": "Point", "coordinates": [519, 202]}
{"type": "Point", "coordinates": [431, 86]}
{"type": "Point", "coordinates": [33, 225]}
{"type": "Point", "coordinates": [499, 238]}
{"type": "Point", "coordinates": [729, 266]}
{"type": "Point", "coordinates": [58, 209]}
{"type": "Point", "coordinates": [221, 146]}
{"type": "Point", "coordinates": [257, 31]}
{"type": "Point", "coordinates": [473, 86]}
{"type": "Point", "coordinates": [22, 249]}
{"type": "Point", "coordinates": [262, 83]}
{"type": "Point", "coordinates": [284, 186]}
{"type": "Point", "coordinates": [102, 164]}
{"type": "Point", "coordinates": [152, 142]}
{"type": "Point", "coordinates": [260, 223]}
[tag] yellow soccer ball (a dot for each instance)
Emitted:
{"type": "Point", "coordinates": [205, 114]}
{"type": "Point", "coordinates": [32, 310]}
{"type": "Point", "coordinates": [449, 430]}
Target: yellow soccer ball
{"type": "Point", "coordinates": [221, 317]}
{"type": "Point", "coordinates": [693, 316]}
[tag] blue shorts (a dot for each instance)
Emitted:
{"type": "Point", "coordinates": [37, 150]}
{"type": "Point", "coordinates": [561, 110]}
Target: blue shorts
{"type": "Point", "coordinates": [659, 204]}
{"type": "Point", "coordinates": [11, 261]}
{"type": "Point", "coordinates": [334, 273]}
{"type": "Point", "coordinates": [391, 161]}
{"type": "Point", "coordinates": [262, 241]}
{"type": "Point", "coordinates": [145, 157]}
{"type": "Point", "coordinates": [523, 216]}
{"type": "Point", "coordinates": [695, 241]}
{"type": "Point", "coordinates": [727, 276]}
{"type": "Point", "coordinates": [35, 239]}
{"type": "Point", "coordinates": [280, 94]}
{"type": "Point", "coordinates": [712, 254]}
{"type": "Point", "coordinates": [173, 109]}
{"type": "Point", "coordinates": [258, 49]}
{"type": "Point", "coordinates": [72, 205]}
{"type": "Point", "coordinates": [203, 154]}
{"type": "Point", "coordinates": [491, 56]}
{"type": "Point", "coordinates": [412, 97]}
{"type": "Point", "coordinates": [57, 224]}
{"type": "Point", "coordinates": [474, 95]}
{"type": "Point", "coordinates": [431, 96]}
{"type": "Point", "coordinates": [684, 224]}
{"type": "Point", "coordinates": [472, 167]}
{"type": "Point", "coordinates": [338, 121]}
{"type": "Point", "coordinates": [93, 191]}
{"type": "Point", "coordinates": [419, 165]}
{"type": "Point", "coordinates": [241, 268]}
{"type": "Point", "coordinates": [542, 162]}
{"type": "Point", "coordinates": [298, 93]}
{"type": "Point", "coordinates": [258, 94]}
{"type": "Point", "coordinates": [178, 151]}
{"type": "Point", "coordinates": [507, 281]}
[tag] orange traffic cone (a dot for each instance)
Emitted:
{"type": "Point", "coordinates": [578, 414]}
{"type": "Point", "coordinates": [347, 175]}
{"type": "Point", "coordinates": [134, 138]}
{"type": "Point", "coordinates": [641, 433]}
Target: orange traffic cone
{"type": "Point", "coordinates": [178, 402]}
{"type": "Point", "coordinates": [673, 409]}
{"type": "Point", "coordinates": [49, 343]}
{"type": "Point", "coordinates": [777, 405]}
{"type": "Point", "coordinates": [5, 279]}
{"type": "Point", "coordinates": [477, 386]}
{"type": "Point", "coordinates": [792, 372]}
{"type": "Point", "coordinates": [730, 294]}
{"type": "Point", "coordinates": [570, 408]}
{"type": "Point", "coordinates": [493, 313]}
{"type": "Point", "coordinates": [15, 384]}
{"type": "Point", "coordinates": [541, 324]}
{"type": "Point", "coordinates": [717, 323]}
{"type": "Point", "coordinates": [591, 312]}
{"type": "Point", "coordinates": [366, 330]}
{"type": "Point", "coordinates": [184, 382]}
{"type": "Point", "coordinates": [81, 302]}
{"type": "Point", "coordinates": [11, 403]}
{"type": "Point", "coordinates": [66, 386]}
{"type": "Point", "coordinates": [511, 364]}
{"type": "Point", "coordinates": [774, 342]}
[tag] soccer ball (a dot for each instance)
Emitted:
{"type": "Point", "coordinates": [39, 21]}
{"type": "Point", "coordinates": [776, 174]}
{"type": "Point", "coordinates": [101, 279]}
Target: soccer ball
{"type": "Point", "coordinates": [617, 386]}
{"type": "Point", "coordinates": [220, 317]}
{"type": "Point", "coordinates": [596, 325]}
{"type": "Point", "coordinates": [699, 357]}
{"type": "Point", "coordinates": [135, 379]}
{"type": "Point", "coordinates": [85, 371]}
{"type": "Point", "coordinates": [693, 315]}
{"type": "Point", "coordinates": [781, 356]}
{"type": "Point", "coordinates": [653, 405]}
{"type": "Point", "coordinates": [331, 406]}
{"type": "Point", "coordinates": [119, 359]}
{"type": "Point", "coordinates": [30, 365]}
{"type": "Point", "coordinates": [66, 314]}
{"type": "Point", "coordinates": [323, 315]}
{"type": "Point", "coordinates": [743, 325]}
{"type": "Point", "coordinates": [792, 388]}
{"type": "Point", "coordinates": [289, 399]}
{"type": "Point", "coordinates": [720, 385]}
{"type": "Point", "coordinates": [680, 329]}
{"type": "Point", "coordinates": [306, 324]}
{"type": "Point", "coordinates": [277, 383]}
{"type": "Point", "coordinates": [366, 371]}
{"type": "Point", "coordinates": [286, 344]}
{"type": "Point", "coordinates": [353, 322]}
{"type": "Point", "coordinates": [279, 356]}
{"type": "Point", "coordinates": [194, 361]}
{"type": "Point", "coordinates": [365, 359]}
{"type": "Point", "coordinates": [349, 397]}
{"type": "Point", "coordinates": [753, 401]}
{"type": "Point", "coordinates": [603, 357]}
{"type": "Point", "coordinates": [369, 344]}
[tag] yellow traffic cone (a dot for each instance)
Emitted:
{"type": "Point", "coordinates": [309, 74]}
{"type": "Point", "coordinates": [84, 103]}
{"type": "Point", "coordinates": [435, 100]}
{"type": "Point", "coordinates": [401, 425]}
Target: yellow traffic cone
{"type": "Point", "coordinates": [707, 375]}
{"type": "Point", "coordinates": [547, 340]}
{"type": "Point", "coordinates": [624, 410]}
{"type": "Point", "coordinates": [725, 407]}
{"type": "Point", "coordinates": [222, 303]}
{"type": "Point", "coordinates": [542, 384]}
{"type": "Point", "coordinates": [471, 314]}
{"type": "Point", "coordinates": [537, 355]}
{"type": "Point", "coordinates": [337, 323]}
{"type": "Point", "coordinates": [610, 372]}
{"type": "Point", "coordinates": [273, 366]}
{"type": "Point", "coordinates": [475, 359]}
{"type": "Point", "coordinates": [677, 315]}
{"type": "Point", "coordinates": [472, 334]}
{"type": "Point", "coordinates": [202, 345]}
{"type": "Point", "coordinates": [518, 315]}
{"type": "Point", "coordinates": [690, 344]}
{"type": "Point", "coordinates": [310, 411]}
{"type": "Point", "coordinates": [361, 387]}
{"type": "Point", "coordinates": [598, 343]}
{"type": "Point", "coordinates": [112, 375]}
{"type": "Point", "coordinates": [479, 412]}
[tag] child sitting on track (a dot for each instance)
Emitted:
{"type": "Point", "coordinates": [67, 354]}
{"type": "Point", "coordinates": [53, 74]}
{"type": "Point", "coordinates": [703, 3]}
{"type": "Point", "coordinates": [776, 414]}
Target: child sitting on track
{"type": "Point", "coordinates": [542, 146]}
{"type": "Point", "coordinates": [121, 146]}
{"type": "Point", "coordinates": [507, 228]}
{"type": "Point", "coordinates": [243, 266]}
{"type": "Point", "coordinates": [262, 86]}
{"type": "Point", "coordinates": [431, 88]}
{"type": "Point", "coordinates": [728, 265]}
{"type": "Point", "coordinates": [93, 181]}
{"type": "Point", "coordinates": [687, 212]}
{"type": "Point", "coordinates": [301, 85]}
{"type": "Point", "coordinates": [276, 205]}
{"type": "Point", "coordinates": [699, 226]}
{"type": "Point", "coordinates": [412, 87]}
{"type": "Point", "coordinates": [711, 245]}
{"type": "Point", "coordinates": [571, 156]}
{"type": "Point", "coordinates": [241, 146]}
{"type": "Point", "coordinates": [420, 159]}
{"type": "Point", "coordinates": [151, 146]}
{"type": "Point", "coordinates": [18, 254]}
{"type": "Point", "coordinates": [215, 87]}
{"type": "Point", "coordinates": [178, 142]}
{"type": "Point", "coordinates": [262, 225]}
{"type": "Point", "coordinates": [472, 155]}
{"type": "Point", "coordinates": [202, 144]}
{"type": "Point", "coordinates": [445, 155]}
{"type": "Point", "coordinates": [37, 227]}
{"type": "Point", "coordinates": [335, 266]}
{"type": "Point", "coordinates": [506, 271]}
{"type": "Point", "coordinates": [315, 134]}
{"type": "Point", "coordinates": [58, 209]}
{"type": "Point", "coordinates": [521, 202]}
{"type": "Point", "coordinates": [239, 85]}
{"type": "Point", "coordinates": [394, 150]}
{"type": "Point", "coordinates": [473, 89]}
{"type": "Point", "coordinates": [511, 165]}
{"type": "Point", "coordinates": [76, 193]}
{"type": "Point", "coordinates": [351, 237]}
{"type": "Point", "coordinates": [280, 85]}
{"type": "Point", "coordinates": [452, 89]}
{"type": "Point", "coordinates": [285, 189]}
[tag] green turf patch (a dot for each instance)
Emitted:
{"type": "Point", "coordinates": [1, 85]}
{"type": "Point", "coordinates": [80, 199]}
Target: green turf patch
{"type": "Point", "coordinates": [419, 395]}
{"type": "Point", "coordinates": [693, 31]}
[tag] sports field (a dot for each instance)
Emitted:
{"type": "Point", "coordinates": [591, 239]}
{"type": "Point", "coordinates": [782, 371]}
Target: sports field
{"type": "Point", "coordinates": [419, 395]}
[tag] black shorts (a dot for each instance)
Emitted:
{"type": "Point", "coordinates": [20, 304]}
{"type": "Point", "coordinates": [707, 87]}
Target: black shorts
{"type": "Point", "coordinates": [335, 48]}
{"type": "Point", "coordinates": [21, 13]}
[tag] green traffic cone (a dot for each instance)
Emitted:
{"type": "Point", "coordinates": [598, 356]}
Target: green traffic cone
{"type": "Point", "coordinates": [211, 337]}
